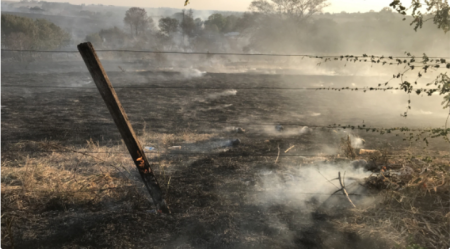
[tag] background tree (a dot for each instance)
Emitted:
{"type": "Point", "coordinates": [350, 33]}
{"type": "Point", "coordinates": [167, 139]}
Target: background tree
{"type": "Point", "coordinates": [198, 25]}
{"type": "Point", "coordinates": [187, 24]}
{"type": "Point", "coordinates": [26, 33]}
{"type": "Point", "coordinates": [137, 19]}
{"type": "Point", "coordinates": [280, 25]}
{"type": "Point", "coordinates": [291, 9]}
{"type": "Point", "coordinates": [216, 20]}
{"type": "Point", "coordinates": [168, 25]}
{"type": "Point", "coordinates": [230, 24]}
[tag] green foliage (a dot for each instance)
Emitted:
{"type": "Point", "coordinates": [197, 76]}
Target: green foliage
{"type": "Point", "coordinates": [138, 20]}
{"type": "Point", "coordinates": [216, 20]}
{"type": "Point", "coordinates": [438, 10]}
{"type": "Point", "coordinates": [187, 23]}
{"type": "Point", "coordinates": [293, 10]}
{"type": "Point", "coordinates": [168, 25]}
{"type": "Point", "coordinates": [109, 38]}
{"type": "Point", "coordinates": [25, 33]}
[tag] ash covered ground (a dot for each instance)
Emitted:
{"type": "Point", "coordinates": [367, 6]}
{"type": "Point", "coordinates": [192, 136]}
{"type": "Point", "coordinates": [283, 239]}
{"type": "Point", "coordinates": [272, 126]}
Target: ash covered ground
{"type": "Point", "coordinates": [264, 192]}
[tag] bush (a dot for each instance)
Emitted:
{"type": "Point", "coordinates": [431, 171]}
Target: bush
{"type": "Point", "coordinates": [25, 33]}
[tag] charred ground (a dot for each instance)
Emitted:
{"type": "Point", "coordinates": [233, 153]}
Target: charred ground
{"type": "Point", "coordinates": [69, 200]}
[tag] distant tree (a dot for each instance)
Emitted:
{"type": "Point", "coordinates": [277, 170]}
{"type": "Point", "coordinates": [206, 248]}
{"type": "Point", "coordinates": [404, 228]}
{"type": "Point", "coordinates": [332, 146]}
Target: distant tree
{"type": "Point", "coordinates": [386, 10]}
{"type": "Point", "coordinates": [279, 25]}
{"type": "Point", "coordinates": [168, 25]}
{"type": "Point", "coordinates": [216, 20]}
{"type": "Point", "coordinates": [113, 38]}
{"type": "Point", "coordinates": [291, 9]}
{"type": "Point", "coordinates": [17, 40]}
{"type": "Point", "coordinates": [27, 33]}
{"type": "Point", "coordinates": [36, 9]}
{"type": "Point", "coordinates": [245, 22]}
{"type": "Point", "coordinates": [212, 29]}
{"type": "Point", "coordinates": [230, 23]}
{"type": "Point", "coordinates": [187, 23]}
{"type": "Point", "coordinates": [137, 19]}
{"type": "Point", "coordinates": [198, 25]}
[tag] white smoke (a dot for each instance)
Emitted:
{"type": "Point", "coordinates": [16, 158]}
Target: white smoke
{"type": "Point", "coordinates": [286, 131]}
{"type": "Point", "coordinates": [231, 92]}
{"type": "Point", "coordinates": [357, 142]}
{"type": "Point", "coordinates": [299, 184]}
{"type": "Point", "coordinates": [190, 72]}
{"type": "Point", "coordinates": [79, 82]}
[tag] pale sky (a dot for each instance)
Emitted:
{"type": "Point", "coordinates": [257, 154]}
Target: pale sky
{"type": "Point", "coordinates": [242, 5]}
{"type": "Point", "coordinates": [235, 5]}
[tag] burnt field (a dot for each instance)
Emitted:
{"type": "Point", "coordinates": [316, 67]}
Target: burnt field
{"type": "Point", "coordinates": [269, 191]}
{"type": "Point", "coordinates": [56, 106]}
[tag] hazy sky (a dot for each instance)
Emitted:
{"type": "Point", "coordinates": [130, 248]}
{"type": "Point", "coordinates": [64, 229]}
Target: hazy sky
{"type": "Point", "coordinates": [235, 5]}
{"type": "Point", "coordinates": [242, 5]}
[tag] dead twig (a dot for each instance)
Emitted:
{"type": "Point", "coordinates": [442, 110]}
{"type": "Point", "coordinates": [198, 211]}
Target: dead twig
{"type": "Point", "coordinates": [343, 188]}
{"type": "Point", "coordinates": [289, 148]}
{"type": "Point", "coordinates": [276, 160]}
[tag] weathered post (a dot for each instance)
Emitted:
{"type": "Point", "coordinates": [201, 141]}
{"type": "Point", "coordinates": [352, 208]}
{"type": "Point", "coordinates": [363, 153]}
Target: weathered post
{"type": "Point", "coordinates": [120, 118]}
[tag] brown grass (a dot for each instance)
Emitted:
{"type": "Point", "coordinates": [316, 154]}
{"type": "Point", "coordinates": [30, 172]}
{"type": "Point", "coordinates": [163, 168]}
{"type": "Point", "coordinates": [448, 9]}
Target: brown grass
{"type": "Point", "coordinates": [414, 206]}
{"type": "Point", "coordinates": [413, 192]}
{"type": "Point", "coordinates": [71, 178]}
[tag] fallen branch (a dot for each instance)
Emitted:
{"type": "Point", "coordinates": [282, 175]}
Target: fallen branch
{"type": "Point", "coordinates": [276, 160]}
{"type": "Point", "coordinates": [343, 188]}
{"type": "Point", "coordinates": [289, 148]}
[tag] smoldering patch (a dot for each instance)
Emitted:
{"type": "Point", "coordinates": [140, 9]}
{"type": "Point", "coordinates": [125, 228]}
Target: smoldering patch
{"type": "Point", "coordinates": [209, 146]}
{"type": "Point", "coordinates": [230, 92]}
{"type": "Point", "coordinates": [312, 186]}
{"type": "Point", "coordinates": [282, 131]}
{"type": "Point", "coordinates": [189, 73]}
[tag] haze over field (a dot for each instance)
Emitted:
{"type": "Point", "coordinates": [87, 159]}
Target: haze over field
{"type": "Point", "coordinates": [267, 124]}
{"type": "Point", "coordinates": [223, 5]}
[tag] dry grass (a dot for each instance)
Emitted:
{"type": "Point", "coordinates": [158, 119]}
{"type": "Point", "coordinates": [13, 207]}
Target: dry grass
{"type": "Point", "coordinates": [413, 192]}
{"type": "Point", "coordinates": [35, 180]}
{"type": "Point", "coordinates": [64, 169]}
{"type": "Point", "coordinates": [414, 206]}
{"type": "Point", "coordinates": [346, 148]}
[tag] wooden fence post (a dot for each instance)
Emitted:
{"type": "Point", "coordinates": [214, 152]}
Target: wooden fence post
{"type": "Point", "coordinates": [120, 118]}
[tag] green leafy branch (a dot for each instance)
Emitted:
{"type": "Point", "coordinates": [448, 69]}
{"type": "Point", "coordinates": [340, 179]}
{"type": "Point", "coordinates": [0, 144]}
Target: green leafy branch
{"type": "Point", "coordinates": [436, 10]}
{"type": "Point", "coordinates": [426, 64]}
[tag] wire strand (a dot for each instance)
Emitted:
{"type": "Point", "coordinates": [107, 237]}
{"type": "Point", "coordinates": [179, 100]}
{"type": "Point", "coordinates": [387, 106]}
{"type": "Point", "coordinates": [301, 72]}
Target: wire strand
{"type": "Point", "coordinates": [210, 53]}
{"type": "Point", "coordinates": [366, 88]}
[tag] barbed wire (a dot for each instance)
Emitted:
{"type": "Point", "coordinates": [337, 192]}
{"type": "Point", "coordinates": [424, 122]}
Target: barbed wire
{"type": "Point", "coordinates": [190, 154]}
{"type": "Point", "coordinates": [218, 53]}
{"type": "Point", "coordinates": [365, 88]}
{"type": "Point", "coordinates": [331, 126]}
